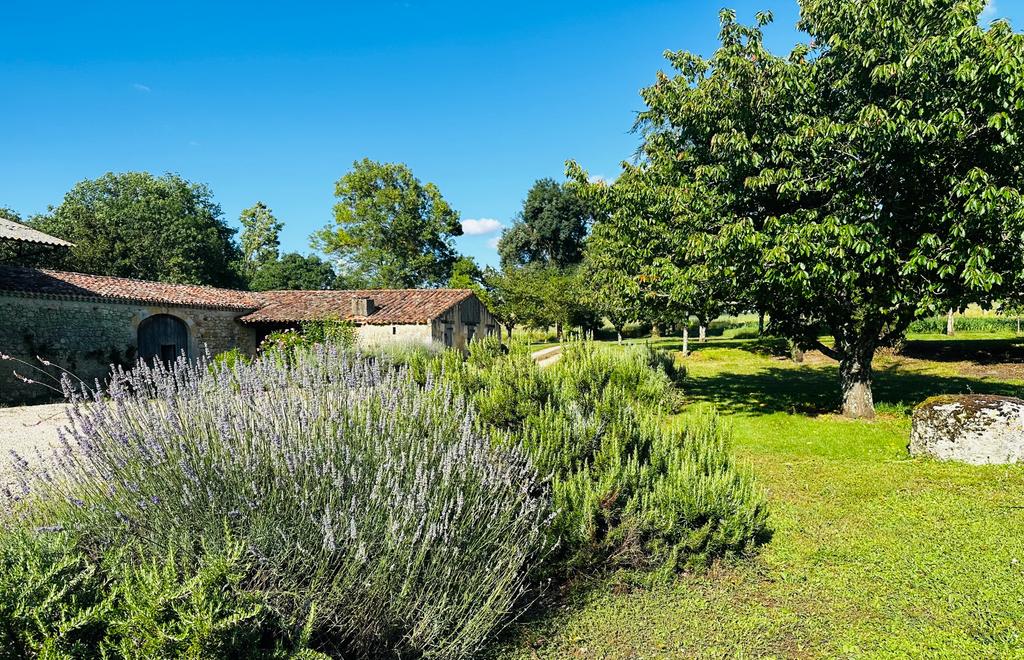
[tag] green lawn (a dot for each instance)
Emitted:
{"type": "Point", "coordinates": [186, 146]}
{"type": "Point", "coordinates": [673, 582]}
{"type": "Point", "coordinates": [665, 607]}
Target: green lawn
{"type": "Point", "coordinates": [873, 554]}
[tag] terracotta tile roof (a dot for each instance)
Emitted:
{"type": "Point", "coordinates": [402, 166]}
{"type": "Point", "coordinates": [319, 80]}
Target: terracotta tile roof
{"type": "Point", "coordinates": [38, 281]}
{"type": "Point", "coordinates": [393, 306]}
{"type": "Point", "coordinates": [15, 231]}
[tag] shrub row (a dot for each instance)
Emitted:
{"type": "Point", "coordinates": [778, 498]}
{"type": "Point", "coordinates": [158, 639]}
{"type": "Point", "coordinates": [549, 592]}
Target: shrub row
{"type": "Point", "coordinates": [372, 514]}
{"type": "Point", "coordinates": [628, 488]}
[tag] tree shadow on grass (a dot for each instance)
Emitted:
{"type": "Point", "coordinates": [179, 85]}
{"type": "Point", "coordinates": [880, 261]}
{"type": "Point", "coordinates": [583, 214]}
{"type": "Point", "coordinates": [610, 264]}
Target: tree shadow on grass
{"type": "Point", "coordinates": [763, 346]}
{"type": "Point", "coordinates": [979, 351]}
{"type": "Point", "coordinates": [813, 391]}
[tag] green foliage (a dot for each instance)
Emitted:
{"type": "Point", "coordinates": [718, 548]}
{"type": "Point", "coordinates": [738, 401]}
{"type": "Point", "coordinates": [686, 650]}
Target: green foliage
{"type": "Point", "coordinates": [137, 225]}
{"type": "Point", "coordinates": [285, 345]}
{"type": "Point", "coordinates": [607, 287]}
{"type": "Point", "coordinates": [937, 324]}
{"type": "Point", "coordinates": [873, 554]}
{"type": "Point", "coordinates": [541, 297]}
{"type": "Point", "coordinates": [865, 179]}
{"type": "Point", "coordinates": [229, 359]}
{"type": "Point", "coordinates": [266, 270]}
{"type": "Point", "coordinates": [628, 488]}
{"type": "Point", "coordinates": [390, 230]}
{"type": "Point", "coordinates": [329, 331]}
{"type": "Point", "coordinates": [282, 345]}
{"type": "Point", "coordinates": [260, 238]}
{"type": "Point", "coordinates": [374, 519]}
{"type": "Point", "coordinates": [550, 229]}
{"type": "Point", "coordinates": [293, 271]}
{"type": "Point", "coordinates": [51, 603]}
{"type": "Point", "coordinates": [58, 600]}
{"type": "Point", "coordinates": [640, 262]}
{"type": "Point", "coordinates": [466, 274]}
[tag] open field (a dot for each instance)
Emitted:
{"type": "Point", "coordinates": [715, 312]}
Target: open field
{"type": "Point", "coordinates": [873, 553]}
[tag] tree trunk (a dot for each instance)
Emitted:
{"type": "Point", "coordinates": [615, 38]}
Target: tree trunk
{"type": "Point", "coordinates": [855, 382]}
{"type": "Point", "coordinates": [950, 324]}
{"type": "Point", "coordinates": [618, 333]}
{"type": "Point", "coordinates": [655, 331]}
{"type": "Point", "coordinates": [702, 331]}
{"type": "Point", "coordinates": [508, 328]}
{"type": "Point", "coordinates": [558, 331]}
{"type": "Point", "coordinates": [1018, 325]}
{"type": "Point", "coordinates": [796, 353]}
{"type": "Point", "coordinates": [686, 340]}
{"type": "Point", "coordinates": [760, 324]}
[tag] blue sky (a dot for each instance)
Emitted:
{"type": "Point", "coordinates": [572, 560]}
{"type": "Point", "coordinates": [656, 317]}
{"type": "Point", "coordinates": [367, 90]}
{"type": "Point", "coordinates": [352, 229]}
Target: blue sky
{"type": "Point", "coordinates": [273, 101]}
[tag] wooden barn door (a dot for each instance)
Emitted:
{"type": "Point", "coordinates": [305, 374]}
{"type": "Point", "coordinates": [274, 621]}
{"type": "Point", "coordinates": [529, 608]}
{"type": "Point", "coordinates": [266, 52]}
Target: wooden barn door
{"type": "Point", "coordinates": [163, 337]}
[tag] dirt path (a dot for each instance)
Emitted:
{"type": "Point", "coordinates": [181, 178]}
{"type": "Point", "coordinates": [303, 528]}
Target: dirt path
{"type": "Point", "coordinates": [25, 429]}
{"type": "Point", "coordinates": [547, 356]}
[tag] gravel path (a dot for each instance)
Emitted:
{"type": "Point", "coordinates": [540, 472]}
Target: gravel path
{"type": "Point", "coordinates": [547, 356]}
{"type": "Point", "coordinates": [25, 428]}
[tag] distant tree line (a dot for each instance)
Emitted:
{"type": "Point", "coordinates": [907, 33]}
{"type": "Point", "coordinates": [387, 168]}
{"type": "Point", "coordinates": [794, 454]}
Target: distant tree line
{"type": "Point", "coordinates": [389, 231]}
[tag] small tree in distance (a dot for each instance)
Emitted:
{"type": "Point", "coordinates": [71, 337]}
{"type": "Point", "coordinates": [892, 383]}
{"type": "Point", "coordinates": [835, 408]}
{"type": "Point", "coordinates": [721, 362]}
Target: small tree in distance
{"type": "Point", "coordinates": [260, 238]}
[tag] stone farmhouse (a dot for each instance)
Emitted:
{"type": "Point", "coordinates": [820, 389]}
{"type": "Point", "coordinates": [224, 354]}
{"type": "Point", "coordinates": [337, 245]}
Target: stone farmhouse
{"type": "Point", "coordinates": [86, 323]}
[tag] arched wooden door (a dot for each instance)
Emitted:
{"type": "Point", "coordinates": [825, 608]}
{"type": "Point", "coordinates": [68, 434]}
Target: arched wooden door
{"type": "Point", "coordinates": [162, 337]}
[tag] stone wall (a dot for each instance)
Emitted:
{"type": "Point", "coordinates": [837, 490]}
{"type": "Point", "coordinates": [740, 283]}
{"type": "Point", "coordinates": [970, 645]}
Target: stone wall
{"type": "Point", "coordinates": [375, 335]}
{"type": "Point", "coordinates": [86, 337]}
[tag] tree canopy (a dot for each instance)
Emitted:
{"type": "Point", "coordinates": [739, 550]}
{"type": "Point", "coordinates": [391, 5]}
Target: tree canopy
{"type": "Point", "coordinates": [260, 238]}
{"type": "Point", "coordinates": [466, 274]}
{"type": "Point", "coordinates": [295, 271]}
{"type": "Point", "coordinates": [550, 228]}
{"type": "Point", "coordinates": [135, 224]}
{"type": "Point", "coordinates": [871, 176]}
{"type": "Point", "coordinates": [390, 229]}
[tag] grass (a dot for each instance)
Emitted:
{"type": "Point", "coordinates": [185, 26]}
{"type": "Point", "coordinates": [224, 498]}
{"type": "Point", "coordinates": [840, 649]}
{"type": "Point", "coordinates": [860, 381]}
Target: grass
{"type": "Point", "coordinates": [874, 554]}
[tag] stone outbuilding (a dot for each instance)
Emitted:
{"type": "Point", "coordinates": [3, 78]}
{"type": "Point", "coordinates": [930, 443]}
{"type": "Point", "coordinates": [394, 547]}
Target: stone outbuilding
{"type": "Point", "coordinates": [86, 323]}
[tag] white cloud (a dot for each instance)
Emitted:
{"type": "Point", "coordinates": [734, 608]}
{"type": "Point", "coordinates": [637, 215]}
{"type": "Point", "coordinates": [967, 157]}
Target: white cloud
{"type": "Point", "coordinates": [990, 10]}
{"type": "Point", "coordinates": [493, 243]}
{"type": "Point", "coordinates": [600, 178]}
{"type": "Point", "coordinates": [142, 88]}
{"type": "Point", "coordinates": [479, 227]}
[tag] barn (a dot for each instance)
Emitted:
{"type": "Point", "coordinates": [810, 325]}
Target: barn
{"type": "Point", "coordinates": [86, 323]}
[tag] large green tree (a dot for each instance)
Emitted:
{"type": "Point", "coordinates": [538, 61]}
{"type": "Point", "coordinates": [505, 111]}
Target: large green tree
{"type": "Point", "coordinates": [138, 225]}
{"type": "Point", "coordinates": [871, 176]}
{"type": "Point", "coordinates": [550, 229]}
{"type": "Point", "coordinates": [390, 229]}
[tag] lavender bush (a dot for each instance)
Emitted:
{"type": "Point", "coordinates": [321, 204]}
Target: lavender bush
{"type": "Point", "coordinates": [372, 510]}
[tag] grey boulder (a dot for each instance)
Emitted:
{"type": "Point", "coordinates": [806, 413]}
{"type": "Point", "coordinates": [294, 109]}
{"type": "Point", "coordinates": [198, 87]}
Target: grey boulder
{"type": "Point", "coordinates": [975, 429]}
